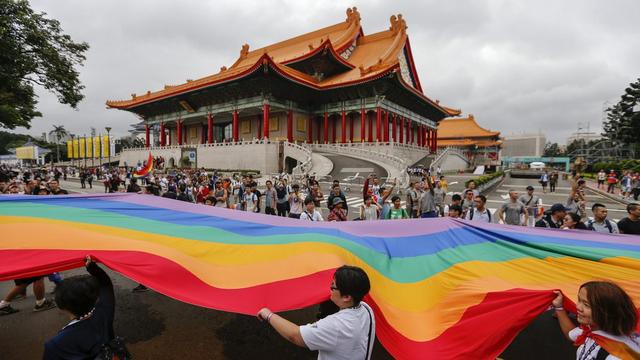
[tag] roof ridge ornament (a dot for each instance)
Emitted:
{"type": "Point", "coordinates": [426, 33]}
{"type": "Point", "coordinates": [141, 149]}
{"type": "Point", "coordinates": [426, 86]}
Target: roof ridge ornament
{"type": "Point", "coordinates": [353, 16]}
{"type": "Point", "coordinates": [398, 24]}
{"type": "Point", "coordinates": [244, 51]}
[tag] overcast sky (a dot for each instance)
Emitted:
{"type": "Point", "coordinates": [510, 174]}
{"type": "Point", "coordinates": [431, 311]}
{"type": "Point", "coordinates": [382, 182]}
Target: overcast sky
{"type": "Point", "coordinates": [518, 66]}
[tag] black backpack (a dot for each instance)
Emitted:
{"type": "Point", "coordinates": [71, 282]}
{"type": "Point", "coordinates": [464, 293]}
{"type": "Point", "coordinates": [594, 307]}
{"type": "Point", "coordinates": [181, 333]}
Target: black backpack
{"type": "Point", "coordinates": [473, 210]}
{"type": "Point", "coordinates": [607, 223]}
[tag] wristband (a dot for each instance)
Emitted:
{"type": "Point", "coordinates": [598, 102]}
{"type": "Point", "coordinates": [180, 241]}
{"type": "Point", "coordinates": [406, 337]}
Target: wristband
{"type": "Point", "coordinates": [559, 308]}
{"type": "Point", "coordinates": [269, 318]}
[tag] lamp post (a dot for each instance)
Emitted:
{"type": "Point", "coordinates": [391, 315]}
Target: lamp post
{"type": "Point", "coordinates": [85, 151]}
{"type": "Point", "coordinates": [108, 128]}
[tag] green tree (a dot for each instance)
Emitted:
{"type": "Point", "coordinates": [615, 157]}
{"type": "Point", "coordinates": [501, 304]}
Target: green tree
{"type": "Point", "coordinates": [34, 50]}
{"type": "Point", "coordinates": [552, 150]}
{"type": "Point", "coordinates": [58, 133]}
{"type": "Point", "coordinates": [623, 119]}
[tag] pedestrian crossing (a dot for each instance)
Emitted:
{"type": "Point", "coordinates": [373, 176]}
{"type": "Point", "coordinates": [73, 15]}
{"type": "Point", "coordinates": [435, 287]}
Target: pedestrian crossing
{"type": "Point", "coordinates": [352, 201]}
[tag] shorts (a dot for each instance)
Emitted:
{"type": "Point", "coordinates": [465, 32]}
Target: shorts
{"type": "Point", "coordinates": [600, 182]}
{"type": "Point", "coordinates": [626, 189]}
{"type": "Point", "coordinates": [27, 281]}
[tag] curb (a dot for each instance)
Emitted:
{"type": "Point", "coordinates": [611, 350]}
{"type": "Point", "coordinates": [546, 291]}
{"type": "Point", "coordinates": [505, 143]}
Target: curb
{"type": "Point", "coordinates": [612, 197]}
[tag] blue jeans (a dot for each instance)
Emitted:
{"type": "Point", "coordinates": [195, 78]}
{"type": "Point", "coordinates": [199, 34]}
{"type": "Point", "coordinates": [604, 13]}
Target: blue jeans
{"type": "Point", "coordinates": [429, 214]}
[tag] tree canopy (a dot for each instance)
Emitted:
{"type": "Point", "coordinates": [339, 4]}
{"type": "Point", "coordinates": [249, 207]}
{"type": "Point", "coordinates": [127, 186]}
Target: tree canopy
{"type": "Point", "coordinates": [623, 119]}
{"type": "Point", "coordinates": [35, 51]}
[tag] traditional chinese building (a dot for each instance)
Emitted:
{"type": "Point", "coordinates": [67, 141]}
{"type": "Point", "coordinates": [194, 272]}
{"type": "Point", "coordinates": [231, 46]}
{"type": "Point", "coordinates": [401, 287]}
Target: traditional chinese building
{"type": "Point", "coordinates": [481, 146]}
{"type": "Point", "coordinates": [333, 85]}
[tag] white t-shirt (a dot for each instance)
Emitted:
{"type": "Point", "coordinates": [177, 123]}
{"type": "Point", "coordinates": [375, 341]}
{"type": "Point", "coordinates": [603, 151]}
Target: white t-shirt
{"type": "Point", "coordinates": [343, 335]}
{"type": "Point", "coordinates": [589, 350]}
{"type": "Point", "coordinates": [483, 216]}
{"type": "Point", "coordinates": [316, 216]}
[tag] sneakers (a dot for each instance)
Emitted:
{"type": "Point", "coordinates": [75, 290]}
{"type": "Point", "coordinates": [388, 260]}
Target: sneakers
{"type": "Point", "coordinates": [46, 305]}
{"type": "Point", "coordinates": [7, 310]}
{"type": "Point", "coordinates": [140, 288]}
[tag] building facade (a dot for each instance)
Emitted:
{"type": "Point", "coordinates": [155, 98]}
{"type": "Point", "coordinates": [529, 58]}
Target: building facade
{"type": "Point", "coordinates": [523, 145]}
{"type": "Point", "coordinates": [333, 85]}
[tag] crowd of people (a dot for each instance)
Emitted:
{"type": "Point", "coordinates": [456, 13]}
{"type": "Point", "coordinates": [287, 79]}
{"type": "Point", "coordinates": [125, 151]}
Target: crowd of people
{"type": "Point", "coordinates": [426, 196]}
{"type": "Point", "coordinates": [627, 182]}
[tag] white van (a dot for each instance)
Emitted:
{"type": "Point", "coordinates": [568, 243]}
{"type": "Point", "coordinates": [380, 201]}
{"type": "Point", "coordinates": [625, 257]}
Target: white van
{"type": "Point", "coordinates": [537, 165]}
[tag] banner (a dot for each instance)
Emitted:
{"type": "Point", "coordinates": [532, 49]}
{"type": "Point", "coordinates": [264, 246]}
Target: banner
{"type": "Point", "coordinates": [27, 153]}
{"type": "Point", "coordinates": [89, 148]}
{"type": "Point", "coordinates": [105, 146]}
{"type": "Point", "coordinates": [441, 288]}
{"type": "Point", "coordinates": [96, 146]}
{"type": "Point", "coordinates": [76, 149]}
{"type": "Point", "coordinates": [69, 149]}
{"type": "Point", "coordinates": [83, 148]}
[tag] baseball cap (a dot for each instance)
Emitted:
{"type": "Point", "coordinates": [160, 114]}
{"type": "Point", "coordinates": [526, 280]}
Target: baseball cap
{"type": "Point", "coordinates": [557, 207]}
{"type": "Point", "coordinates": [529, 187]}
{"type": "Point", "coordinates": [337, 201]}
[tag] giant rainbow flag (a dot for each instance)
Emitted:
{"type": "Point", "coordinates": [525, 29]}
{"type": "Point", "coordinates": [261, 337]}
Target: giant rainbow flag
{"type": "Point", "coordinates": [441, 288]}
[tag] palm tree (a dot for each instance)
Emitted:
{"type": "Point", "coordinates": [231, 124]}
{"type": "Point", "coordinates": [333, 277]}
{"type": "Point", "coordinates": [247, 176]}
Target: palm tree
{"type": "Point", "coordinates": [59, 133]}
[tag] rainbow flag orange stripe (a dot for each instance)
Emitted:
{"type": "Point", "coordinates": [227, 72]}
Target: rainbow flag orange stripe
{"type": "Point", "coordinates": [443, 287]}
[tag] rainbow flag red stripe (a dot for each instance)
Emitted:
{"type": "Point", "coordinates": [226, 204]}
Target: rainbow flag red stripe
{"type": "Point", "coordinates": [146, 170]}
{"type": "Point", "coordinates": [443, 287]}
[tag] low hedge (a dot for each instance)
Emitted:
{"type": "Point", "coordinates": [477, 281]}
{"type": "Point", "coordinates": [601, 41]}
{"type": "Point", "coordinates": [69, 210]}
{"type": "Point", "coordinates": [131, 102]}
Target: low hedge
{"type": "Point", "coordinates": [484, 179]}
{"type": "Point", "coordinates": [629, 164]}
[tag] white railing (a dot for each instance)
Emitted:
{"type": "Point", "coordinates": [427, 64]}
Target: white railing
{"type": "Point", "coordinates": [442, 153]}
{"type": "Point", "coordinates": [304, 167]}
{"type": "Point", "coordinates": [214, 144]}
{"type": "Point", "coordinates": [395, 166]}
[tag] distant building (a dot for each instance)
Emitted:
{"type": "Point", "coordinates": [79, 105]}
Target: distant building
{"type": "Point", "coordinates": [523, 145]}
{"type": "Point", "coordinates": [480, 145]}
{"type": "Point", "coordinates": [586, 136]}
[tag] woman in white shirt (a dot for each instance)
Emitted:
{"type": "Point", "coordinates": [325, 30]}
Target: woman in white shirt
{"type": "Point", "coordinates": [606, 315]}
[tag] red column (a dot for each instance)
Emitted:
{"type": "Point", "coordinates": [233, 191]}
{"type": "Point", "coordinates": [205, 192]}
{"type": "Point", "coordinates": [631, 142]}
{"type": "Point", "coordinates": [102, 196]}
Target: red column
{"type": "Point", "coordinates": [363, 126]}
{"type": "Point", "coordinates": [378, 124]}
{"type": "Point", "coordinates": [386, 126]}
{"type": "Point", "coordinates": [334, 129]}
{"type": "Point", "coordinates": [163, 136]}
{"type": "Point", "coordinates": [420, 134]}
{"type": "Point", "coordinates": [209, 128]}
{"type": "Point", "coordinates": [169, 140]}
{"type": "Point", "coordinates": [265, 120]}
{"type": "Point", "coordinates": [370, 134]}
{"type": "Point", "coordinates": [234, 125]}
{"type": "Point", "coordinates": [401, 130]}
{"type": "Point", "coordinates": [409, 131]}
{"type": "Point", "coordinates": [310, 129]}
{"type": "Point", "coordinates": [351, 127]}
{"type": "Point", "coordinates": [290, 126]}
{"type": "Point", "coordinates": [343, 128]}
{"type": "Point", "coordinates": [435, 141]}
{"type": "Point", "coordinates": [424, 136]}
{"type": "Point", "coordinates": [146, 135]}
{"type": "Point", "coordinates": [394, 131]}
{"type": "Point", "coordinates": [429, 138]}
{"type": "Point", "coordinates": [179, 131]}
{"type": "Point", "coordinates": [325, 128]}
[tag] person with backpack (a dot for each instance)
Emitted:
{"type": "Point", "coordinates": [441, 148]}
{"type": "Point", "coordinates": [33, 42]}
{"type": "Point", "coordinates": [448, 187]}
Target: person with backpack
{"type": "Point", "coordinates": [89, 302]}
{"type": "Point", "coordinates": [600, 223]}
{"type": "Point", "coordinates": [310, 213]}
{"type": "Point", "coordinates": [554, 218]}
{"type": "Point", "coordinates": [282, 203]}
{"type": "Point", "coordinates": [532, 203]}
{"type": "Point", "coordinates": [396, 211]}
{"type": "Point", "coordinates": [479, 212]}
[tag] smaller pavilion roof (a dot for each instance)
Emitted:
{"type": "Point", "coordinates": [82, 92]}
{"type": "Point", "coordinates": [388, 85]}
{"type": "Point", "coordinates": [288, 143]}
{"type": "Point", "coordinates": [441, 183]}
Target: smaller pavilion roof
{"type": "Point", "coordinates": [465, 128]}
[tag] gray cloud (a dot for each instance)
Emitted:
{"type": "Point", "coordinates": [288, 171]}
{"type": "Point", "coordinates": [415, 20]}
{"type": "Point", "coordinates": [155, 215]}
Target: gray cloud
{"type": "Point", "coordinates": [518, 66]}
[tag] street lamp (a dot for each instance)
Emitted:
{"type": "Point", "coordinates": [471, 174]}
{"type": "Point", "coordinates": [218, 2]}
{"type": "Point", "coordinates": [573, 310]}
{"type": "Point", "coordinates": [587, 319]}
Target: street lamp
{"type": "Point", "coordinates": [108, 128]}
